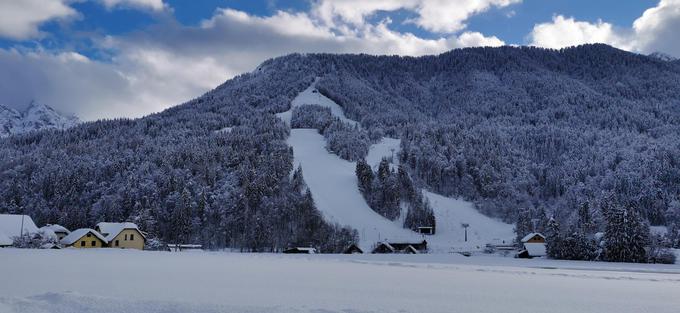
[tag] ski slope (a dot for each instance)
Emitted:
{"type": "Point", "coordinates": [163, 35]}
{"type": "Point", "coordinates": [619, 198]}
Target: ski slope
{"type": "Point", "coordinates": [385, 148]}
{"type": "Point", "coordinates": [333, 184]}
{"type": "Point", "coordinates": [312, 96]}
{"type": "Point", "coordinates": [451, 213]}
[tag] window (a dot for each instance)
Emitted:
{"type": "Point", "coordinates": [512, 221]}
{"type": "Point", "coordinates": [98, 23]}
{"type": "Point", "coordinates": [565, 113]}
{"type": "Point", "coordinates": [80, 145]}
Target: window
{"type": "Point", "coordinates": [132, 236]}
{"type": "Point", "coordinates": [89, 235]}
{"type": "Point", "coordinates": [125, 236]}
{"type": "Point", "coordinates": [82, 243]}
{"type": "Point", "coordinates": [117, 243]}
{"type": "Point", "coordinates": [94, 243]}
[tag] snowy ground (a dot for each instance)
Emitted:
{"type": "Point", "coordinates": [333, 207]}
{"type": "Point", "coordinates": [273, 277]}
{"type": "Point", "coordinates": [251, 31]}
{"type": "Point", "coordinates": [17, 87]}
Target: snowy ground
{"type": "Point", "coordinates": [110, 280]}
{"type": "Point", "coordinates": [333, 184]}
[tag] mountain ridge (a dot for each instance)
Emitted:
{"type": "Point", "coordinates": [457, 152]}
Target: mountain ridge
{"type": "Point", "coordinates": [36, 116]}
{"type": "Point", "coordinates": [510, 129]}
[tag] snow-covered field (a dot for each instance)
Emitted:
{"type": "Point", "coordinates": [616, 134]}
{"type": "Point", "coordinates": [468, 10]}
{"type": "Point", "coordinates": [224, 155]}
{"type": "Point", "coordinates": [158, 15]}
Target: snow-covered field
{"type": "Point", "coordinates": [110, 280]}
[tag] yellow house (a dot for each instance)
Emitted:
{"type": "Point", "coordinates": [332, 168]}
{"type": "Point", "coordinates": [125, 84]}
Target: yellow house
{"type": "Point", "coordinates": [84, 238]}
{"type": "Point", "coordinates": [122, 235]}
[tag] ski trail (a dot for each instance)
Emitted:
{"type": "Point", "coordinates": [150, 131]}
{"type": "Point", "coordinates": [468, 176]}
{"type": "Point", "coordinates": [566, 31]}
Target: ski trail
{"type": "Point", "coordinates": [333, 185]}
{"type": "Point", "coordinates": [312, 96]}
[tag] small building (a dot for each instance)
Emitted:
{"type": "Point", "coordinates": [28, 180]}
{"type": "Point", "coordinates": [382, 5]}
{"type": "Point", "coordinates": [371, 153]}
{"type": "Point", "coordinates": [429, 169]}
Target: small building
{"type": "Point", "coordinates": [15, 225]}
{"type": "Point", "coordinates": [122, 235]}
{"type": "Point", "coordinates": [426, 230]}
{"type": "Point", "coordinates": [353, 249]}
{"type": "Point", "coordinates": [383, 247]}
{"type": "Point", "coordinates": [59, 231]}
{"type": "Point", "coordinates": [409, 250]}
{"type": "Point", "coordinates": [84, 238]}
{"type": "Point", "coordinates": [534, 245]}
{"type": "Point", "coordinates": [401, 247]}
{"type": "Point", "coordinates": [300, 250]}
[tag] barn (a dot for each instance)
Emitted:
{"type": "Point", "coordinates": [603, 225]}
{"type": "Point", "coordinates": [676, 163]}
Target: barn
{"type": "Point", "coordinates": [534, 245]}
{"type": "Point", "coordinates": [300, 250]}
{"type": "Point", "coordinates": [353, 249]}
{"type": "Point", "coordinates": [401, 247]}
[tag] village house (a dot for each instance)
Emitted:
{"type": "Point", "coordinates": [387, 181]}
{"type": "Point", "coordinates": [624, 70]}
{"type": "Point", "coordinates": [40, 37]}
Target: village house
{"type": "Point", "coordinates": [14, 225]}
{"type": "Point", "coordinates": [122, 235]}
{"type": "Point", "coordinates": [84, 238]}
{"type": "Point", "coordinates": [59, 231]}
{"type": "Point", "coordinates": [534, 245]}
{"type": "Point", "coordinates": [353, 249]}
{"type": "Point", "coordinates": [300, 250]}
{"type": "Point", "coordinates": [401, 247]}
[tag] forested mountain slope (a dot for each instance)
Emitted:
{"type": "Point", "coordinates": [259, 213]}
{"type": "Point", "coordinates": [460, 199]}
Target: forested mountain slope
{"type": "Point", "coordinates": [508, 128]}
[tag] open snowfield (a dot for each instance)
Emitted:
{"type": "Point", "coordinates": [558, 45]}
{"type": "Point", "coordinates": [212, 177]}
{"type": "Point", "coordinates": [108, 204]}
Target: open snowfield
{"type": "Point", "coordinates": [110, 280]}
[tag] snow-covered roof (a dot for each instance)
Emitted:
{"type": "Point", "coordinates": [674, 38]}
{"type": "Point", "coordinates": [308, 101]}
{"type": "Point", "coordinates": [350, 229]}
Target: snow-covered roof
{"type": "Point", "coordinates": [535, 248]}
{"type": "Point", "coordinates": [111, 230]}
{"type": "Point", "coordinates": [48, 233]}
{"type": "Point", "coordinates": [531, 235]}
{"type": "Point", "coordinates": [79, 233]}
{"type": "Point", "coordinates": [10, 224]}
{"type": "Point", "coordinates": [389, 246]}
{"type": "Point", "coordinates": [5, 240]}
{"type": "Point", "coordinates": [56, 228]}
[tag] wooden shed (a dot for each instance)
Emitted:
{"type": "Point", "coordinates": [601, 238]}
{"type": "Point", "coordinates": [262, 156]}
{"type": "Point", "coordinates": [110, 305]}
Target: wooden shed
{"type": "Point", "coordinates": [300, 250]}
{"type": "Point", "coordinates": [353, 249]}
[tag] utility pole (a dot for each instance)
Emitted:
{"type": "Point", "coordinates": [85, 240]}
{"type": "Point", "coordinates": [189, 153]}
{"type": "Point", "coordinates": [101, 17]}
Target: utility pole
{"type": "Point", "coordinates": [21, 231]}
{"type": "Point", "coordinates": [465, 225]}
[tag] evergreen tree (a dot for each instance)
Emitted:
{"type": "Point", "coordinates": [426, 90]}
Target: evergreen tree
{"type": "Point", "coordinates": [626, 236]}
{"type": "Point", "coordinates": [364, 175]}
{"type": "Point", "coordinates": [524, 225]}
{"type": "Point", "coordinates": [553, 239]}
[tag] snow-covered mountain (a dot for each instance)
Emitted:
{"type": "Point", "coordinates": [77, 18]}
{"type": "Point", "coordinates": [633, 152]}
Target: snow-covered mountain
{"type": "Point", "coordinates": [36, 116]}
{"type": "Point", "coordinates": [519, 134]}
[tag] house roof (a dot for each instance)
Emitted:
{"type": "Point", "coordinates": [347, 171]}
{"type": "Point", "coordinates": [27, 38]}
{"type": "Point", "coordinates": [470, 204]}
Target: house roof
{"type": "Point", "coordinates": [48, 233]}
{"type": "Point", "coordinates": [5, 240]}
{"type": "Point", "coordinates": [531, 235]}
{"type": "Point", "coordinates": [79, 233]}
{"type": "Point", "coordinates": [111, 230]}
{"type": "Point", "coordinates": [56, 228]}
{"type": "Point", "coordinates": [10, 225]}
{"type": "Point", "coordinates": [389, 246]}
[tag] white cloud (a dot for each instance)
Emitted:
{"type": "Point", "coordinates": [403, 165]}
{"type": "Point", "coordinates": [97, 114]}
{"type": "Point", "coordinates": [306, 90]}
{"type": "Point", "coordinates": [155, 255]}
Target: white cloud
{"type": "Point", "coordinates": [20, 19]}
{"type": "Point", "coordinates": [566, 32]}
{"type": "Point", "coordinates": [169, 63]}
{"type": "Point", "coordinates": [655, 31]}
{"type": "Point", "coordinates": [442, 16]}
{"type": "Point", "coordinates": [155, 5]}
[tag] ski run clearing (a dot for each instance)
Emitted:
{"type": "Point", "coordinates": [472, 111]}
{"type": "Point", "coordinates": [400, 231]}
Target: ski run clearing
{"type": "Point", "coordinates": [117, 281]}
{"type": "Point", "coordinates": [333, 184]}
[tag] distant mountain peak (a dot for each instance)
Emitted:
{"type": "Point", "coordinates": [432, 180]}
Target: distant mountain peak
{"type": "Point", "coordinates": [36, 116]}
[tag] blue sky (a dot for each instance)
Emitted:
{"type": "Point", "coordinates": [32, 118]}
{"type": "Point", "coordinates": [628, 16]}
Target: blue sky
{"type": "Point", "coordinates": [109, 58]}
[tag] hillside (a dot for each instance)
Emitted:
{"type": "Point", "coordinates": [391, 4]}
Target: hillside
{"type": "Point", "coordinates": [506, 128]}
